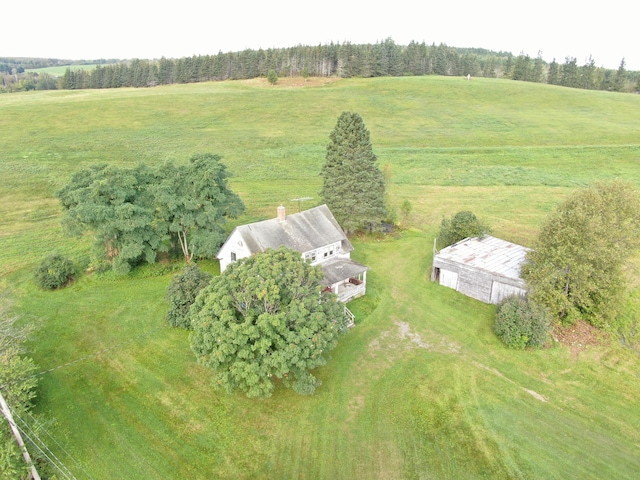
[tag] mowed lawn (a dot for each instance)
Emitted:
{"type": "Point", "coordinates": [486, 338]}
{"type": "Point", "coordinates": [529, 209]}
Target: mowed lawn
{"type": "Point", "coordinates": [421, 388]}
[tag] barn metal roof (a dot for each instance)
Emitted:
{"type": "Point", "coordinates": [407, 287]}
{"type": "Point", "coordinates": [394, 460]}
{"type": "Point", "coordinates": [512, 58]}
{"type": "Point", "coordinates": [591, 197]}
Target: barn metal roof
{"type": "Point", "coordinates": [304, 231]}
{"type": "Point", "coordinates": [487, 253]}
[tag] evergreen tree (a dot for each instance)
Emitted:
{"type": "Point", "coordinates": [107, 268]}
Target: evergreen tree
{"type": "Point", "coordinates": [521, 68]}
{"type": "Point", "coordinates": [553, 77]}
{"type": "Point", "coordinates": [569, 76]}
{"type": "Point", "coordinates": [586, 76]}
{"type": "Point", "coordinates": [353, 185]}
{"type": "Point", "coordinates": [619, 80]}
{"type": "Point", "coordinates": [507, 69]}
{"type": "Point", "coordinates": [537, 72]}
{"type": "Point", "coordinates": [272, 76]}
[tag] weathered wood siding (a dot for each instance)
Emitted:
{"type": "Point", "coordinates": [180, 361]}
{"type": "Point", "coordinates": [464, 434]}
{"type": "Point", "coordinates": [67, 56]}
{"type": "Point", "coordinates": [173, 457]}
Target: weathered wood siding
{"type": "Point", "coordinates": [500, 290]}
{"type": "Point", "coordinates": [478, 284]}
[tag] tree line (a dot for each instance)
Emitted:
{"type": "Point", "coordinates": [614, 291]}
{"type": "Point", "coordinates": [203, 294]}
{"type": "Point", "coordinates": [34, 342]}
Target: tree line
{"type": "Point", "coordinates": [345, 60]}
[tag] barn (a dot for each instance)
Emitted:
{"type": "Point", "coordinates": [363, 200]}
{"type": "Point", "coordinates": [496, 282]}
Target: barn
{"type": "Point", "coordinates": [485, 268]}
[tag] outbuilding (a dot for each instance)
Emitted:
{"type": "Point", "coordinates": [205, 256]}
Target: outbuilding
{"type": "Point", "coordinates": [485, 268]}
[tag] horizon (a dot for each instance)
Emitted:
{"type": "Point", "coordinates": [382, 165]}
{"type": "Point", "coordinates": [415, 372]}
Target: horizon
{"type": "Point", "coordinates": [68, 29]}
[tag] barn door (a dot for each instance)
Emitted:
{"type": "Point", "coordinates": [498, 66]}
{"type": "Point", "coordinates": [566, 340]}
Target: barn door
{"type": "Point", "coordinates": [449, 279]}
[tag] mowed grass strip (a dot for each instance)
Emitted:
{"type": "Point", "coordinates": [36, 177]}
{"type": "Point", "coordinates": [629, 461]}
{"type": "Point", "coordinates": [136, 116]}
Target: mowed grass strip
{"type": "Point", "coordinates": [421, 388]}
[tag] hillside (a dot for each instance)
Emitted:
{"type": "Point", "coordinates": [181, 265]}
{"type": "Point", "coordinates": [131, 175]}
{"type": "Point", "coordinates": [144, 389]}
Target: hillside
{"type": "Point", "coordinates": [421, 388]}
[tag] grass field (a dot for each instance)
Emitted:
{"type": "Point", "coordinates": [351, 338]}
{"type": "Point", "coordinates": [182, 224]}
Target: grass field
{"type": "Point", "coordinates": [60, 71]}
{"type": "Point", "coordinates": [421, 388]}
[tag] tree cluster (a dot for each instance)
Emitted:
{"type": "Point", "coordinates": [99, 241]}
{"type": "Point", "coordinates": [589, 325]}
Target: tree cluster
{"type": "Point", "coordinates": [266, 318]}
{"type": "Point", "coordinates": [353, 186]}
{"type": "Point", "coordinates": [590, 77]}
{"type": "Point", "coordinates": [134, 213]}
{"type": "Point", "coordinates": [576, 268]}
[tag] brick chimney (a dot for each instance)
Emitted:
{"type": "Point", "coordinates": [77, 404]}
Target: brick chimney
{"type": "Point", "coordinates": [282, 215]}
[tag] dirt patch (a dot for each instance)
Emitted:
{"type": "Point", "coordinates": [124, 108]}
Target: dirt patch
{"type": "Point", "coordinates": [293, 82]}
{"type": "Point", "coordinates": [579, 336]}
{"type": "Point", "coordinates": [533, 393]}
{"type": "Point", "coordinates": [436, 344]}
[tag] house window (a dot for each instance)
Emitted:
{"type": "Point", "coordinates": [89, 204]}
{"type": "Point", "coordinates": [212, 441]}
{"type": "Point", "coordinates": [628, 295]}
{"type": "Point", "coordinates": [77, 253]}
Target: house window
{"type": "Point", "coordinates": [233, 256]}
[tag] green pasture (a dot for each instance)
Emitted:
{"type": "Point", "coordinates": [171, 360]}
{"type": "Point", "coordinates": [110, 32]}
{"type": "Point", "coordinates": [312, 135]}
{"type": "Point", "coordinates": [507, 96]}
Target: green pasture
{"type": "Point", "coordinates": [60, 70]}
{"type": "Point", "coordinates": [421, 387]}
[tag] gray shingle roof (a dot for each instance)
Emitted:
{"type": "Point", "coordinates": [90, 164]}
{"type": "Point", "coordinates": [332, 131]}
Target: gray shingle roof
{"type": "Point", "coordinates": [337, 269]}
{"type": "Point", "coordinates": [304, 231]}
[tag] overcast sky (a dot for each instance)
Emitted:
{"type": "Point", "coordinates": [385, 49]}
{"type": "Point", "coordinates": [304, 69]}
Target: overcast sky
{"type": "Point", "coordinates": [122, 29]}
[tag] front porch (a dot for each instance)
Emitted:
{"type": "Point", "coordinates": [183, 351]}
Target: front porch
{"type": "Point", "coordinates": [351, 288]}
{"type": "Point", "coordinates": [346, 278]}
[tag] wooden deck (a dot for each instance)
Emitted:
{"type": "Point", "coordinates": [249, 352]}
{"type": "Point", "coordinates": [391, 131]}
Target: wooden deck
{"type": "Point", "coordinates": [349, 291]}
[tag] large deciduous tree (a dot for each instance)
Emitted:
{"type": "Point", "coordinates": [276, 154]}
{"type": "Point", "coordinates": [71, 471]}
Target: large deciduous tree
{"type": "Point", "coordinates": [576, 266]}
{"type": "Point", "coordinates": [116, 206]}
{"type": "Point", "coordinates": [264, 318]}
{"type": "Point", "coordinates": [133, 212]}
{"type": "Point", "coordinates": [194, 201]}
{"type": "Point", "coordinates": [353, 184]}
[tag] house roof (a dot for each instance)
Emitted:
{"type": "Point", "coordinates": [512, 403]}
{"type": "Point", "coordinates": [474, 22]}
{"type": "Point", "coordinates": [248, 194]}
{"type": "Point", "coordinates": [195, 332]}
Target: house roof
{"type": "Point", "coordinates": [337, 269]}
{"type": "Point", "coordinates": [487, 253]}
{"type": "Point", "coordinates": [303, 231]}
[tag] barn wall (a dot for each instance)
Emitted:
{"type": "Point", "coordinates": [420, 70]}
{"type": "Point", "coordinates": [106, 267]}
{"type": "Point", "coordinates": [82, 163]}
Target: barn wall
{"type": "Point", "coordinates": [478, 284]}
{"type": "Point", "coordinates": [500, 290]}
{"type": "Point", "coordinates": [475, 284]}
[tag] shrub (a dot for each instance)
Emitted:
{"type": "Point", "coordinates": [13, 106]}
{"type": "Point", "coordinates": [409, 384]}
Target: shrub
{"type": "Point", "coordinates": [520, 323]}
{"type": "Point", "coordinates": [182, 292]}
{"type": "Point", "coordinates": [55, 271]}
{"type": "Point", "coordinates": [462, 225]}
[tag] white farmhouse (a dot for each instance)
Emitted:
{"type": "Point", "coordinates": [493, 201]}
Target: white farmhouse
{"type": "Point", "coordinates": [314, 233]}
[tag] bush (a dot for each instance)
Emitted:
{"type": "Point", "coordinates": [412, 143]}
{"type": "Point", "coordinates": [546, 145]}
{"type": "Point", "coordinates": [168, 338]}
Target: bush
{"type": "Point", "coordinates": [182, 292]}
{"type": "Point", "coordinates": [520, 323]}
{"type": "Point", "coordinates": [55, 271]}
{"type": "Point", "coordinates": [462, 225]}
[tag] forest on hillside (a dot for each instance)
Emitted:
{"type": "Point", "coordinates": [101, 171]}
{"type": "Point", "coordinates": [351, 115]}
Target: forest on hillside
{"type": "Point", "coordinates": [385, 58]}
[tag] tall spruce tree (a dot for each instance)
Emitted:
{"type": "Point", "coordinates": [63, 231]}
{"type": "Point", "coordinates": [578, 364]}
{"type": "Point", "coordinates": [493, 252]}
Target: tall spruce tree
{"type": "Point", "coordinates": [353, 184]}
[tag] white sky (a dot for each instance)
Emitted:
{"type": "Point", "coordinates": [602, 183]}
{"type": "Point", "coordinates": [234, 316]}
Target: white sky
{"type": "Point", "coordinates": [77, 29]}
